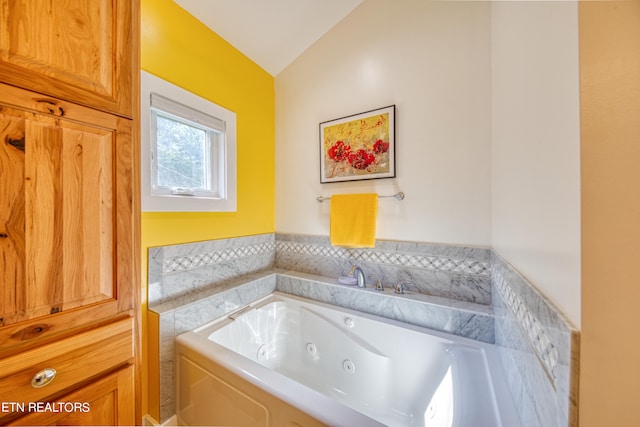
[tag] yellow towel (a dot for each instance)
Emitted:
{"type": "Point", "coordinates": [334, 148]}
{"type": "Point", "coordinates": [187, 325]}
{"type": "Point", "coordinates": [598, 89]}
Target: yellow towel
{"type": "Point", "coordinates": [353, 220]}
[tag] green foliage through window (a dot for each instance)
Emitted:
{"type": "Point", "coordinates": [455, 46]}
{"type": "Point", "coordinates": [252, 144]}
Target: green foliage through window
{"type": "Point", "coordinates": [183, 154]}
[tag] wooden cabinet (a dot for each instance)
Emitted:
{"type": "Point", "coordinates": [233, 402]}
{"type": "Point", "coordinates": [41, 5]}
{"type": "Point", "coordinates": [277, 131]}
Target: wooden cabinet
{"type": "Point", "coordinates": [69, 210]}
{"type": "Point", "coordinates": [106, 402]}
{"type": "Point", "coordinates": [63, 181]}
{"type": "Point", "coordinates": [76, 50]}
{"type": "Point", "coordinates": [76, 359]}
{"type": "Point", "coordinates": [79, 361]}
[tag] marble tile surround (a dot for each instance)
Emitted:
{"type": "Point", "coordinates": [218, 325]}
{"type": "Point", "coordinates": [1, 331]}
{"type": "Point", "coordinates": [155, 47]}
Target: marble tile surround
{"type": "Point", "coordinates": [455, 272]}
{"type": "Point", "coordinates": [468, 291]}
{"type": "Point", "coordinates": [179, 270]}
{"type": "Point", "coordinates": [175, 319]}
{"type": "Point", "coordinates": [460, 318]}
{"type": "Point", "coordinates": [193, 283]}
{"type": "Point", "coordinates": [539, 350]}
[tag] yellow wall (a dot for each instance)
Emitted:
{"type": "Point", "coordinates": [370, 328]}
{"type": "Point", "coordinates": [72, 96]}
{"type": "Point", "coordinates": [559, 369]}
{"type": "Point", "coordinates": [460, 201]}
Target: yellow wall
{"type": "Point", "coordinates": [178, 48]}
{"type": "Point", "coordinates": [610, 139]}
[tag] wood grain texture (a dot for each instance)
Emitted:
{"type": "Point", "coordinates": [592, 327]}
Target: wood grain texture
{"type": "Point", "coordinates": [77, 360]}
{"type": "Point", "coordinates": [69, 207]}
{"type": "Point", "coordinates": [12, 240]}
{"type": "Point", "coordinates": [68, 196]}
{"type": "Point", "coordinates": [110, 400]}
{"type": "Point", "coordinates": [44, 330]}
{"type": "Point", "coordinates": [74, 50]}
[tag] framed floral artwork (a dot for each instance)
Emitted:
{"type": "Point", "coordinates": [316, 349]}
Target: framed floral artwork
{"type": "Point", "coordinates": [361, 146]}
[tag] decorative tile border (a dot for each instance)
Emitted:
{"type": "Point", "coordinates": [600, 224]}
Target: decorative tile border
{"type": "Point", "coordinates": [189, 262]}
{"type": "Point", "coordinates": [433, 263]}
{"type": "Point", "coordinates": [532, 329]}
{"type": "Point", "coordinates": [539, 349]}
{"type": "Point", "coordinates": [179, 270]}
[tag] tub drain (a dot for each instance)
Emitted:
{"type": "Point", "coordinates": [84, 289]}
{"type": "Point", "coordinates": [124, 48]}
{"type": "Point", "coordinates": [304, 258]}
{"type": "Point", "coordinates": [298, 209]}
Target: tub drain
{"type": "Point", "coordinates": [348, 366]}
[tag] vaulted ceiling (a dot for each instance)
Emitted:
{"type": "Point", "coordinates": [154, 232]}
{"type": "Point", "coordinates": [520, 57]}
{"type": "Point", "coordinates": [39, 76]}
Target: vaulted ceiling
{"type": "Point", "coordinates": [272, 33]}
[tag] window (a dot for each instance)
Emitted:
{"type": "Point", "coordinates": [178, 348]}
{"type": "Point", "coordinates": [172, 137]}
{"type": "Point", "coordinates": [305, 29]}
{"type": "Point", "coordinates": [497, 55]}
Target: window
{"type": "Point", "coordinates": [188, 150]}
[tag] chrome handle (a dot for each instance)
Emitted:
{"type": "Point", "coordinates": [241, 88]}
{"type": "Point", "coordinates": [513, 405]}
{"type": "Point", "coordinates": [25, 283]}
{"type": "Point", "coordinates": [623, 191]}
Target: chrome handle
{"type": "Point", "coordinates": [400, 287]}
{"type": "Point", "coordinates": [379, 286]}
{"type": "Point", "coordinates": [43, 378]}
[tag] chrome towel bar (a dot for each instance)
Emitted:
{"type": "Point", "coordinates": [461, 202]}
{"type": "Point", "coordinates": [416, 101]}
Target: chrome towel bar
{"type": "Point", "coordinates": [399, 196]}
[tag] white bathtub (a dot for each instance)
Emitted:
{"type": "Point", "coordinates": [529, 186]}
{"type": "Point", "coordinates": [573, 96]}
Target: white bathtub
{"type": "Point", "coordinates": [286, 360]}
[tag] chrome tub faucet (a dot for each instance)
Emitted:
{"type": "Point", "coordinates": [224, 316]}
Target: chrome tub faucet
{"type": "Point", "coordinates": [358, 274]}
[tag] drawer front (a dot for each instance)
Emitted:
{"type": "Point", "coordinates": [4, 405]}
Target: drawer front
{"type": "Point", "coordinates": [107, 401]}
{"type": "Point", "coordinates": [75, 359]}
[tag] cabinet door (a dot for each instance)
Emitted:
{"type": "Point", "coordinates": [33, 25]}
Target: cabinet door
{"type": "Point", "coordinates": [77, 50]}
{"type": "Point", "coordinates": [65, 209]}
{"type": "Point", "coordinates": [106, 402]}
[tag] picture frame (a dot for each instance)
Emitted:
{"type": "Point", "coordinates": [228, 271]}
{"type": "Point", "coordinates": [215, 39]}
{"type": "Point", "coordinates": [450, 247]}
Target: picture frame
{"type": "Point", "coordinates": [358, 147]}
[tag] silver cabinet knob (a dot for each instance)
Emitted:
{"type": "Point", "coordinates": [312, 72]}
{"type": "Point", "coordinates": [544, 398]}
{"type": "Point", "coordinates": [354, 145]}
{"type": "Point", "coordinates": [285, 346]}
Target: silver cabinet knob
{"type": "Point", "coordinates": [43, 378]}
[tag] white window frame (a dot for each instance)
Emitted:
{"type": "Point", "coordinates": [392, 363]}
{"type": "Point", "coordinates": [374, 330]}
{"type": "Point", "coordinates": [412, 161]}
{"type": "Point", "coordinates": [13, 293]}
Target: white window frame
{"type": "Point", "coordinates": [172, 100]}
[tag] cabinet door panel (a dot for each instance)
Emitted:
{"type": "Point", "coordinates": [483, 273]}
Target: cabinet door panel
{"type": "Point", "coordinates": [68, 210]}
{"type": "Point", "coordinates": [73, 49]}
{"type": "Point", "coordinates": [58, 211]}
{"type": "Point", "coordinates": [12, 243]}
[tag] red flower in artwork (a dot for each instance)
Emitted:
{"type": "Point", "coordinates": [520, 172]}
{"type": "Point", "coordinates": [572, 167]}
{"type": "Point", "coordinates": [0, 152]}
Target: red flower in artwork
{"type": "Point", "coordinates": [361, 159]}
{"type": "Point", "coordinates": [380, 147]}
{"type": "Point", "coordinates": [339, 151]}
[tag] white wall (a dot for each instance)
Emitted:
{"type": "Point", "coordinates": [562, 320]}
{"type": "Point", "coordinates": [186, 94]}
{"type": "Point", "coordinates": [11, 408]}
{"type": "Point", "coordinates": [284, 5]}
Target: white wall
{"type": "Point", "coordinates": [487, 129]}
{"type": "Point", "coordinates": [536, 146]}
{"type": "Point", "coordinates": [431, 59]}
